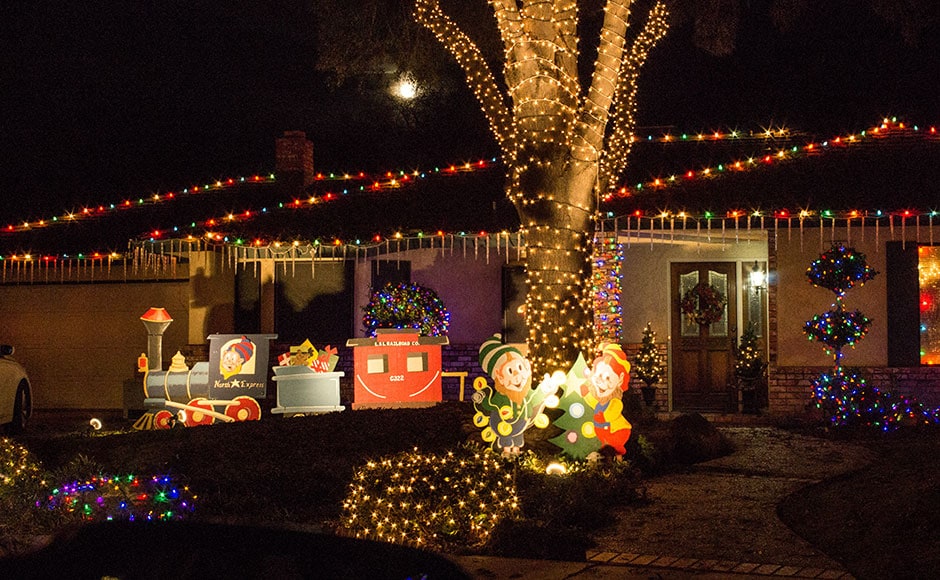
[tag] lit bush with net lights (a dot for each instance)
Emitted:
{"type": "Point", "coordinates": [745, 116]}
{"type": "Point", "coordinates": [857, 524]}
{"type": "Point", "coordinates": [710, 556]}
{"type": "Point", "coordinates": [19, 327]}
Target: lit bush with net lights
{"type": "Point", "coordinates": [441, 502]}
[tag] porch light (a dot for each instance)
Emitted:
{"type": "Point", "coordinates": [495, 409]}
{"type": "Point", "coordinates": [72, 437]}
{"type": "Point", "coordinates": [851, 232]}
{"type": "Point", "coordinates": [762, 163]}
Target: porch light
{"type": "Point", "coordinates": [757, 278]}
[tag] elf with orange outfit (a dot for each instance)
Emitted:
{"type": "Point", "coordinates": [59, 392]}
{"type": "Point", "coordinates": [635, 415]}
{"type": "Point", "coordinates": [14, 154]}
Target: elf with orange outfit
{"type": "Point", "coordinates": [607, 379]}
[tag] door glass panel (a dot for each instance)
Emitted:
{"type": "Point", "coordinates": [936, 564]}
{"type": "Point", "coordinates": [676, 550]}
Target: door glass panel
{"type": "Point", "coordinates": [686, 283]}
{"type": "Point", "coordinates": [755, 310]}
{"type": "Point", "coordinates": [720, 282]}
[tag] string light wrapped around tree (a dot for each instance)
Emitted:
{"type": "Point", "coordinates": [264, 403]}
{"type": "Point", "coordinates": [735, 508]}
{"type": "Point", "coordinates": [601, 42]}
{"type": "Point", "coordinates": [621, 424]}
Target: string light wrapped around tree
{"type": "Point", "coordinates": [406, 305]}
{"type": "Point", "coordinates": [703, 304]}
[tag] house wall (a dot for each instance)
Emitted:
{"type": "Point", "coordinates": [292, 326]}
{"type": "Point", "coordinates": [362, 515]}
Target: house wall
{"type": "Point", "coordinates": [646, 278]}
{"type": "Point", "coordinates": [796, 361]}
{"type": "Point", "coordinates": [80, 342]}
{"type": "Point", "coordinates": [76, 326]}
{"type": "Point", "coordinates": [645, 272]}
{"type": "Point", "coordinates": [470, 286]}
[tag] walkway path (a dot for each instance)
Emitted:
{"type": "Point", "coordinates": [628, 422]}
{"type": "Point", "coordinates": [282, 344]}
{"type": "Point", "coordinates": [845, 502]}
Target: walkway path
{"type": "Point", "coordinates": [716, 521]}
{"type": "Point", "coordinates": [720, 516]}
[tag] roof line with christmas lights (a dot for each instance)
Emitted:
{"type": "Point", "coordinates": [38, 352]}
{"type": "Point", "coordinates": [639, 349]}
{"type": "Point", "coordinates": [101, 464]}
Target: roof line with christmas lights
{"type": "Point", "coordinates": [888, 128]}
{"type": "Point", "coordinates": [659, 220]}
{"type": "Point", "coordinates": [397, 179]}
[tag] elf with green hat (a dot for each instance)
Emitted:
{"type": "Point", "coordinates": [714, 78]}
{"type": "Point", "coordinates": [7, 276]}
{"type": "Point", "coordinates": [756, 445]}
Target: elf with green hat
{"type": "Point", "coordinates": [510, 406]}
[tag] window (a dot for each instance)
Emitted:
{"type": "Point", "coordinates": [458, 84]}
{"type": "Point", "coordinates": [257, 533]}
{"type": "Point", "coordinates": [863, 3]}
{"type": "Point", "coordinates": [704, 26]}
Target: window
{"type": "Point", "coordinates": [417, 362]}
{"type": "Point", "coordinates": [377, 364]}
{"type": "Point", "coordinates": [928, 271]}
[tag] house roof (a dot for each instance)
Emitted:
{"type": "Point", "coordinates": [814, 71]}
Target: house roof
{"type": "Point", "coordinates": [714, 176]}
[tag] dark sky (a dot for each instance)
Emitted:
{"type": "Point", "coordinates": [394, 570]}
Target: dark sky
{"type": "Point", "coordinates": [103, 100]}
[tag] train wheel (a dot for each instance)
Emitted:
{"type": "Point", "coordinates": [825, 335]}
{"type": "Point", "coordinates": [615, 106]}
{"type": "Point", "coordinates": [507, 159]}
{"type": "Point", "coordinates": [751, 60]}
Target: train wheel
{"type": "Point", "coordinates": [162, 419]}
{"type": "Point", "coordinates": [194, 417]}
{"type": "Point", "coordinates": [244, 409]}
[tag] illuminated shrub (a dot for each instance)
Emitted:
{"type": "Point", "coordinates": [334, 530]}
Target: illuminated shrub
{"type": "Point", "coordinates": [406, 306]}
{"type": "Point", "coordinates": [122, 497]}
{"type": "Point", "coordinates": [448, 502]}
{"type": "Point", "coordinates": [18, 469]}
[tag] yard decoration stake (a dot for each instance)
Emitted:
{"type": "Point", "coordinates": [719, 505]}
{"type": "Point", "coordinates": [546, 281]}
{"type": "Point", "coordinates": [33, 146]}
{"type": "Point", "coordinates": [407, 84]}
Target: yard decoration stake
{"type": "Point", "coordinates": [593, 405]}
{"type": "Point", "coordinates": [505, 410]}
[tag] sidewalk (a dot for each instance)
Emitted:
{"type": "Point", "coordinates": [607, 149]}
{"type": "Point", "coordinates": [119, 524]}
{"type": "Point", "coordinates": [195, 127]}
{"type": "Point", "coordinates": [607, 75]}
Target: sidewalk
{"type": "Point", "coordinates": [718, 520]}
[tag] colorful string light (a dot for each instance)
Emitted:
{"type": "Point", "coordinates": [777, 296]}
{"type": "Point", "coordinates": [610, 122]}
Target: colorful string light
{"type": "Point", "coordinates": [122, 497]}
{"type": "Point", "coordinates": [406, 305]}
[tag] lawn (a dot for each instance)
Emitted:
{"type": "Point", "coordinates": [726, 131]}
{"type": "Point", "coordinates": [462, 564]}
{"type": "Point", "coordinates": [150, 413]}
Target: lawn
{"type": "Point", "coordinates": [883, 521]}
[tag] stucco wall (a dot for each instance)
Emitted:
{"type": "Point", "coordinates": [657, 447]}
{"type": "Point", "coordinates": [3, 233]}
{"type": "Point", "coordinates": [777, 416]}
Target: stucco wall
{"type": "Point", "coordinates": [798, 300]}
{"type": "Point", "coordinates": [80, 342]}
{"type": "Point", "coordinates": [470, 287]}
{"type": "Point", "coordinates": [645, 273]}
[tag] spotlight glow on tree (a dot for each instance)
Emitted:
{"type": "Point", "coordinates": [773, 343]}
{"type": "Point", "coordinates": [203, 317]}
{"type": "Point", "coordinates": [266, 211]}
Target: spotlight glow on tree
{"type": "Point", "coordinates": [563, 144]}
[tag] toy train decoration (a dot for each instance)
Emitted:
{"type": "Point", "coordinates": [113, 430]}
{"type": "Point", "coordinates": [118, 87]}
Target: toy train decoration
{"type": "Point", "coordinates": [227, 388]}
{"type": "Point", "coordinates": [396, 368]}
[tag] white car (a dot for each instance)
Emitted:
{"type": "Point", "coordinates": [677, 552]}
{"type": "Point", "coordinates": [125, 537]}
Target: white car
{"type": "Point", "coordinates": [16, 400]}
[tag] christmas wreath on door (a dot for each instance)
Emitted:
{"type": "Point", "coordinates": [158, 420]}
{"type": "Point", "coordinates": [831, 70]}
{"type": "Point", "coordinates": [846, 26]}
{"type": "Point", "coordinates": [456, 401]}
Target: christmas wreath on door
{"type": "Point", "coordinates": [703, 304]}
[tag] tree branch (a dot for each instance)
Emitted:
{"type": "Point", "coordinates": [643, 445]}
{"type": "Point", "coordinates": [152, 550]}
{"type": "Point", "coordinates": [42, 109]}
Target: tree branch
{"type": "Point", "coordinates": [508, 21]}
{"type": "Point", "coordinates": [623, 123]}
{"type": "Point", "coordinates": [428, 13]}
{"type": "Point", "coordinates": [595, 110]}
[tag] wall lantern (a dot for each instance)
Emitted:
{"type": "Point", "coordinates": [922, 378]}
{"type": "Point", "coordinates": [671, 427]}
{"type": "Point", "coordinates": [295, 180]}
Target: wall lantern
{"type": "Point", "coordinates": [757, 278]}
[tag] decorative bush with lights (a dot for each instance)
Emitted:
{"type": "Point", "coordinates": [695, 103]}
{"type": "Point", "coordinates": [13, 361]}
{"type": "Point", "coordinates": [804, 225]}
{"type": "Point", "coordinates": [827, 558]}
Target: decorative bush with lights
{"type": "Point", "coordinates": [122, 497]}
{"type": "Point", "coordinates": [445, 502]}
{"type": "Point", "coordinates": [18, 468]}
{"type": "Point", "coordinates": [406, 306]}
{"type": "Point", "coordinates": [845, 397]}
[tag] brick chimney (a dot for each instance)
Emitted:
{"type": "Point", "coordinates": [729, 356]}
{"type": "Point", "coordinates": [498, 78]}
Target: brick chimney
{"type": "Point", "coordinates": [293, 154]}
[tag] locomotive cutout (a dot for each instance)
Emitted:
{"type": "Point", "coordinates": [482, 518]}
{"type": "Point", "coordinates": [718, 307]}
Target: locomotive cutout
{"type": "Point", "coordinates": [224, 389]}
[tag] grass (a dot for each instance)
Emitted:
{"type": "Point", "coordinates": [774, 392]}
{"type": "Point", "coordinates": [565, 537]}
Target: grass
{"type": "Point", "coordinates": [882, 521]}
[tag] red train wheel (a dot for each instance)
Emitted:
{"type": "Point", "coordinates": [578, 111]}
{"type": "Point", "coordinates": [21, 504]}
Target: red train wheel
{"type": "Point", "coordinates": [162, 419]}
{"type": "Point", "coordinates": [244, 409]}
{"type": "Point", "coordinates": [196, 417]}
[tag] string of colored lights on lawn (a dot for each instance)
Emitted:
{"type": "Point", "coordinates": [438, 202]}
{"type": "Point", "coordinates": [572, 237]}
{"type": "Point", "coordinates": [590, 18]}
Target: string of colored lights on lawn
{"type": "Point", "coordinates": [661, 220]}
{"type": "Point", "coordinates": [127, 497]}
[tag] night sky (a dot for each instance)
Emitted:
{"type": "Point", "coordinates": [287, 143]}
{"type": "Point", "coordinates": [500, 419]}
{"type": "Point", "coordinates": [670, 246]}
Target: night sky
{"type": "Point", "coordinates": [104, 100]}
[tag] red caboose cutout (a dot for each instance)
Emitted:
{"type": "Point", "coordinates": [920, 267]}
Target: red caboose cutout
{"type": "Point", "coordinates": [397, 368]}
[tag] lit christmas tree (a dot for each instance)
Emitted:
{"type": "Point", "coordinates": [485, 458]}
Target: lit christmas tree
{"type": "Point", "coordinates": [844, 396]}
{"type": "Point", "coordinates": [748, 360]}
{"type": "Point", "coordinates": [406, 306]}
{"type": "Point", "coordinates": [648, 365]}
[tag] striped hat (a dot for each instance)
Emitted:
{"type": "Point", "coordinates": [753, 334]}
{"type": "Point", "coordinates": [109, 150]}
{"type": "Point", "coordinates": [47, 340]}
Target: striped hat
{"type": "Point", "coordinates": [492, 350]}
{"type": "Point", "coordinates": [244, 348]}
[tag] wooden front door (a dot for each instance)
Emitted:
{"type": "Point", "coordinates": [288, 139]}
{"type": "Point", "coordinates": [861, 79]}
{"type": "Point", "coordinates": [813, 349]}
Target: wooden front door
{"type": "Point", "coordinates": [703, 362]}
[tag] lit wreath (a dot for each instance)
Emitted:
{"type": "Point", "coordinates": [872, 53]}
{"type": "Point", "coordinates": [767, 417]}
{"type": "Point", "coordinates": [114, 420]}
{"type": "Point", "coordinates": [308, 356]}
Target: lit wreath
{"type": "Point", "coordinates": [703, 304]}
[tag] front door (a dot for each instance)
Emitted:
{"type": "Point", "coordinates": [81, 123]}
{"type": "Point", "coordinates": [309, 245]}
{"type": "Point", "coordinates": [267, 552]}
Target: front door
{"type": "Point", "coordinates": [702, 351]}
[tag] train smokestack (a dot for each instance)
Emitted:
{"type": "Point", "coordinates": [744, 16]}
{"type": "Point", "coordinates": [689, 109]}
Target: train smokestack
{"type": "Point", "coordinates": [156, 320]}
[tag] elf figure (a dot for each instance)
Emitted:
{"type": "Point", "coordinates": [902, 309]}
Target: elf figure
{"type": "Point", "coordinates": [607, 379]}
{"type": "Point", "coordinates": [510, 406]}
